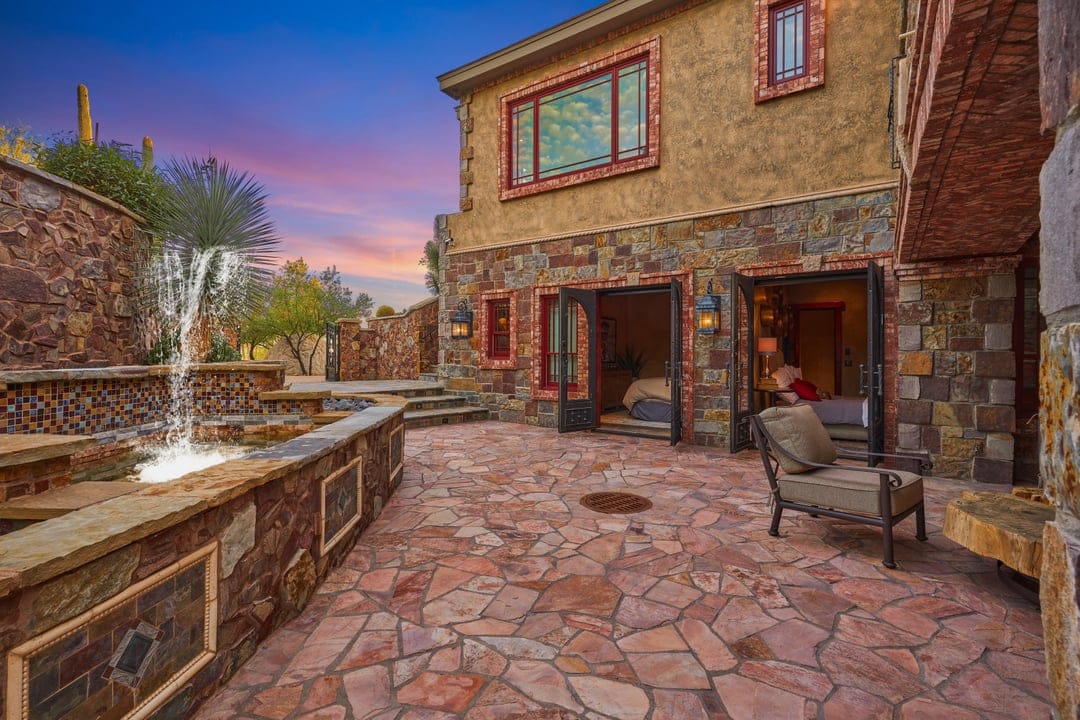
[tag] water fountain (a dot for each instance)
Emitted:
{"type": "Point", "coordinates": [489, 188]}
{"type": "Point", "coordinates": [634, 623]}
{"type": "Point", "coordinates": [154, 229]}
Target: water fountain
{"type": "Point", "coordinates": [193, 293]}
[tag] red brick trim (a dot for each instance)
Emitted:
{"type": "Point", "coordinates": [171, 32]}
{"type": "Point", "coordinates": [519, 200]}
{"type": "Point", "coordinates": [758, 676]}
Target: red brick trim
{"type": "Point", "coordinates": [485, 361]}
{"type": "Point", "coordinates": [815, 52]}
{"type": "Point", "coordinates": [650, 48]}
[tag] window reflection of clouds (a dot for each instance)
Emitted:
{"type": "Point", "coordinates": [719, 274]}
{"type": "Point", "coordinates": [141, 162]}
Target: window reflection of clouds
{"type": "Point", "coordinates": [574, 125]}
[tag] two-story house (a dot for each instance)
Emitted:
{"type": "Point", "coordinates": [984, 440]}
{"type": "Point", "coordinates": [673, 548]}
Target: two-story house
{"type": "Point", "coordinates": [630, 168]}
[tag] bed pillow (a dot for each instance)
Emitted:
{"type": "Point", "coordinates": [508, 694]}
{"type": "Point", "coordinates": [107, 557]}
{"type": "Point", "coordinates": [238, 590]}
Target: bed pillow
{"type": "Point", "coordinates": [805, 390]}
{"type": "Point", "coordinates": [783, 377]}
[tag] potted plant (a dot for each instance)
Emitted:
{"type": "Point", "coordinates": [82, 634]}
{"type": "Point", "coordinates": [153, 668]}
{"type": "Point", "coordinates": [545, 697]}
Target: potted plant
{"type": "Point", "coordinates": [632, 359]}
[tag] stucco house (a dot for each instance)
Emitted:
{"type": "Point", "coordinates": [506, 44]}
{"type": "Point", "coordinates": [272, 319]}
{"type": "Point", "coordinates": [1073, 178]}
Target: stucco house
{"type": "Point", "coordinates": [651, 156]}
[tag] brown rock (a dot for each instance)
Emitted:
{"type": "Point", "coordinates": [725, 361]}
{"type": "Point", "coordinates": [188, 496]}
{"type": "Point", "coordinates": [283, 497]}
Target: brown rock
{"type": "Point", "coordinates": [916, 363]}
{"type": "Point", "coordinates": [299, 581]}
{"type": "Point", "coordinates": [22, 285]}
{"type": "Point", "coordinates": [587, 594]}
{"type": "Point", "coordinates": [81, 589]}
{"type": "Point", "coordinates": [79, 324]}
{"type": "Point", "coordinates": [1058, 593]}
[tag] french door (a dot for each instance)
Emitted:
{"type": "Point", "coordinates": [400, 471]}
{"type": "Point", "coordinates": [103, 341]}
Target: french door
{"type": "Point", "coordinates": [581, 412]}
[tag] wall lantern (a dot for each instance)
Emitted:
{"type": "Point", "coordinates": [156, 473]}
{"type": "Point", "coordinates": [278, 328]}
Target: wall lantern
{"type": "Point", "coordinates": [461, 322]}
{"type": "Point", "coordinates": [707, 308]}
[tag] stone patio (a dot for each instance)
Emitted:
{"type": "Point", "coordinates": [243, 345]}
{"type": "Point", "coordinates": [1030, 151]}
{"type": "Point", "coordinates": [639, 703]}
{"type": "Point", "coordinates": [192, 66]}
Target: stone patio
{"type": "Point", "coordinates": [485, 590]}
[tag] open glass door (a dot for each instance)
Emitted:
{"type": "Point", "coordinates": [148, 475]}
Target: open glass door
{"type": "Point", "coordinates": [874, 374]}
{"type": "Point", "coordinates": [741, 369]}
{"type": "Point", "coordinates": [581, 413]}
{"type": "Point", "coordinates": [674, 367]}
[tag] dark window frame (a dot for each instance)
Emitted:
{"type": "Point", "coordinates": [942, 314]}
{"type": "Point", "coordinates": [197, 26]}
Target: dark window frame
{"type": "Point", "coordinates": [493, 307]}
{"type": "Point", "coordinates": [774, 49]}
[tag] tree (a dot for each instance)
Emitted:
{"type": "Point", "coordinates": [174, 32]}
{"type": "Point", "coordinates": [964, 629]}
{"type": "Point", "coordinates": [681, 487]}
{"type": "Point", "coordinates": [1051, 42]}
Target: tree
{"type": "Point", "coordinates": [431, 261]}
{"type": "Point", "coordinates": [17, 142]}
{"type": "Point", "coordinates": [300, 305]}
{"type": "Point", "coordinates": [215, 250]}
{"type": "Point", "coordinates": [108, 169]}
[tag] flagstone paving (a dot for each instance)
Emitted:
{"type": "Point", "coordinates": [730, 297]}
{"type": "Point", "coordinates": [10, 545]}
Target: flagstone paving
{"type": "Point", "coordinates": [485, 590]}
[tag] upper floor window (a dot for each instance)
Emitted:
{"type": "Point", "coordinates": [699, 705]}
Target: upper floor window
{"type": "Point", "coordinates": [787, 41]}
{"type": "Point", "coordinates": [499, 328]}
{"type": "Point", "coordinates": [598, 120]}
{"type": "Point", "coordinates": [789, 44]}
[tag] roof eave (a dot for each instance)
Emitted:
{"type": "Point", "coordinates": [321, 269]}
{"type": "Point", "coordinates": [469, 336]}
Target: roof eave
{"type": "Point", "coordinates": [572, 33]}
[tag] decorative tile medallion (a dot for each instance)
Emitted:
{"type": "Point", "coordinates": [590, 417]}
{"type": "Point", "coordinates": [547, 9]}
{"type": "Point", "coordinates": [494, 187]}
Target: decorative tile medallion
{"type": "Point", "coordinates": [397, 453]}
{"type": "Point", "coordinates": [126, 656]}
{"type": "Point", "coordinates": [341, 501]}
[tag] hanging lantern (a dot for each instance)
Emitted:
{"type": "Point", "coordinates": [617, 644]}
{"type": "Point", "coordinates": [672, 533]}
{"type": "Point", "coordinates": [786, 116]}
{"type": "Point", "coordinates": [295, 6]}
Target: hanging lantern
{"type": "Point", "coordinates": [707, 309]}
{"type": "Point", "coordinates": [461, 322]}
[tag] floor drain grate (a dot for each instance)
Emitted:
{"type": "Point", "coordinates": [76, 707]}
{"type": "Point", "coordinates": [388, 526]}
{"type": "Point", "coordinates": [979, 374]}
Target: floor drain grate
{"type": "Point", "coordinates": [616, 503]}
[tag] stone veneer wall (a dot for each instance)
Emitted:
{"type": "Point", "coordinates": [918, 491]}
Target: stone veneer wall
{"type": "Point", "coordinates": [93, 401]}
{"type": "Point", "coordinates": [68, 262]}
{"type": "Point", "coordinates": [830, 233]}
{"type": "Point", "coordinates": [957, 390]}
{"type": "Point", "coordinates": [260, 522]}
{"type": "Point", "coordinates": [1059, 382]}
{"type": "Point", "coordinates": [395, 347]}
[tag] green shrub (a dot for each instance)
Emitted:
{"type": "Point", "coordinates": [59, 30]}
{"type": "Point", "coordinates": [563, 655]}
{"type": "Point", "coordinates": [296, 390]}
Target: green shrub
{"type": "Point", "coordinates": [221, 350]}
{"type": "Point", "coordinates": [107, 169]}
{"type": "Point", "coordinates": [164, 350]}
{"type": "Point", "coordinates": [385, 310]}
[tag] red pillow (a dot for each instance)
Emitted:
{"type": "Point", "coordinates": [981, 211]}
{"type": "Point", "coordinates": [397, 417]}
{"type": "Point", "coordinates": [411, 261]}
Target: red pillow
{"type": "Point", "coordinates": [805, 390]}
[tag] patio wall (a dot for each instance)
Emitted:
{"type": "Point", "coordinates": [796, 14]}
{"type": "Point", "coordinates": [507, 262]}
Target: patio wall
{"type": "Point", "coordinates": [68, 262]}
{"type": "Point", "coordinates": [1059, 55]}
{"type": "Point", "coordinates": [204, 567]}
{"type": "Point", "coordinates": [395, 347]}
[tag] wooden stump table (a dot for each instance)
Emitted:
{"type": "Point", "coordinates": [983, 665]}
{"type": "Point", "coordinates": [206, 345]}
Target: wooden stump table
{"type": "Point", "coordinates": [999, 525]}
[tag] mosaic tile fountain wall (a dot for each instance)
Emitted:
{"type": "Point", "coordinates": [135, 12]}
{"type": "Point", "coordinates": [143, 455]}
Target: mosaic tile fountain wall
{"type": "Point", "coordinates": [92, 406]}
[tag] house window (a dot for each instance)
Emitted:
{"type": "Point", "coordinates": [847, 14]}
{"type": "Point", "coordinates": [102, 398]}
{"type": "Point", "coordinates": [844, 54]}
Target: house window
{"type": "Point", "coordinates": [789, 45]}
{"type": "Point", "coordinates": [600, 120]}
{"type": "Point", "coordinates": [499, 328]}
{"type": "Point", "coordinates": [549, 350]}
{"type": "Point", "coordinates": [591, 122]}
{"type": "Point", "coordinates": [787, 41]}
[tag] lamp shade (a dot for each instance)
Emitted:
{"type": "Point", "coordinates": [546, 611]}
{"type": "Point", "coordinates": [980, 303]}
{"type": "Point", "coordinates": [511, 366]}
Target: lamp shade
{"type": "Point", "coordinates": [766, 345]}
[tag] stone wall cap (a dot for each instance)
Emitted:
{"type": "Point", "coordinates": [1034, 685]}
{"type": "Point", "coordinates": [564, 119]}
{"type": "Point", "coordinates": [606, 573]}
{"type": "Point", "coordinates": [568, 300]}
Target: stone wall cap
{"type": "Point", "coordinates": [20, 449]}
{"type": "Point", "coordinates": [19, 377]}
{"type": "Point", "coordinates": [74, 187]}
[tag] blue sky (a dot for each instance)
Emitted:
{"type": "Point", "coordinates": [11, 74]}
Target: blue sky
{"type": "Point", "coordinates": [334, 107]}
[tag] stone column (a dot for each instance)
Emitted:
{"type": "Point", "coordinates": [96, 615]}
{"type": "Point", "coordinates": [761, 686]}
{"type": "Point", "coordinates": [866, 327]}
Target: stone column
{"type": "Point", "coordinates": [1059, 383]}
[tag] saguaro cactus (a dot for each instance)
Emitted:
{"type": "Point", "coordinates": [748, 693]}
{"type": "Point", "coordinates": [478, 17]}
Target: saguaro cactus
{"type": "Point", "coordinates": [147, 153]}
{"type": "Point", "coordinates": [86, 128]}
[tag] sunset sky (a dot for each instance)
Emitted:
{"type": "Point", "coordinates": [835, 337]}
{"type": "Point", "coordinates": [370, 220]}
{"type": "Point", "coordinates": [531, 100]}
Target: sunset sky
{"type": "Point", "coordinates": [333, 107]}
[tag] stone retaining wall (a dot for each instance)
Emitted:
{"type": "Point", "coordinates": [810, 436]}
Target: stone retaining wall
{"type": "Point", "coordinates": [395, 347]}
{"type": "Point", "coordinates": [68, 263]}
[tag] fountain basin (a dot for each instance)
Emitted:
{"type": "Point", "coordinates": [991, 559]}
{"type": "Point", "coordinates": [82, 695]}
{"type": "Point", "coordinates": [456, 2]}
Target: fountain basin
{"type": "Point", "coordinates": [199, 569]}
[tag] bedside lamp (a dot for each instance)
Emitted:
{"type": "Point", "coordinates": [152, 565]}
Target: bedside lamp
{"type": "Point", "coordinates": [767, 346]}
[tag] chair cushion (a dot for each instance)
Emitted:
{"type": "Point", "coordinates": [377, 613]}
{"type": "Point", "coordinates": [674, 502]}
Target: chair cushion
{"type": "Point", "coordinates": [799, 431]}
{"type": "Point", "coordinates": [849, 490]}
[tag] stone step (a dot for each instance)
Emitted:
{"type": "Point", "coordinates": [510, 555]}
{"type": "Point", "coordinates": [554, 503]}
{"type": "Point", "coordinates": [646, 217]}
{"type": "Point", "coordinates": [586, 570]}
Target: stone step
{"type": "Point", "coordinates": [444, 416]}
{"type": "Point", "coordinates": [435, 402]}
{"type": "Point", "coordinates": [429, 377]}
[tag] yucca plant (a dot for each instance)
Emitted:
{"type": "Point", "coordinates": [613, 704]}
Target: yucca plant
{"type": "Point", "coordinates": [215, 248]}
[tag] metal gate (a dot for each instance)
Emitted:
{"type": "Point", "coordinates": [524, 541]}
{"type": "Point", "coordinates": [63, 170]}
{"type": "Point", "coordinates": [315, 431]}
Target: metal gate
{"type": "Point", "coordinates": [333, 356]}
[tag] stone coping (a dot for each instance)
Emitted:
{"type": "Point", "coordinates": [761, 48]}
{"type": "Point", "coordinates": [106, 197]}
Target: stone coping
{"type": "Point", "coordinates": [38, 553]}
{"type": "Point", "coordinates": [20, 449]}
{"type": "Point", "coordinates": [74, 187]}
{"type": "Point", "coordinates": [21, 377]}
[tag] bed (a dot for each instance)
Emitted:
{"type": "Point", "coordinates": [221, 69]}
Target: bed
{"type": "Point", "coordinates": [649, 399]}
{"type": "Point", "coordinates": [845, 418]}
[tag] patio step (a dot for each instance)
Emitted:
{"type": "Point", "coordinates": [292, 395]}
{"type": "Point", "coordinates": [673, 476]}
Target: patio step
{"type": "Point", "coordinates": [435, 402]}
{"type": "Point", "coordinates": [444, 416]}
{"type": "Point", "coordinates": [429, 377]}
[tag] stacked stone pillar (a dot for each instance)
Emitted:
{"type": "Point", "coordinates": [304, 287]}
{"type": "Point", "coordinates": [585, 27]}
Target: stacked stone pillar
{"type": "Point", "coordinates": [1059, 383]}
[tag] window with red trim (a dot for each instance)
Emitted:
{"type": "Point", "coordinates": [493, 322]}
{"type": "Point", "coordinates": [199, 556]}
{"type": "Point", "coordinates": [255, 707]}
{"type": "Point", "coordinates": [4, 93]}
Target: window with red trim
{"type": "Point", "coordinates": [787, 41]}
{"type": "Point", "coordinates": [590, 125]}
{"type": "Point", "coordinates": [549, 344]}
{"type": "Point", "coordinates": [498, 328]}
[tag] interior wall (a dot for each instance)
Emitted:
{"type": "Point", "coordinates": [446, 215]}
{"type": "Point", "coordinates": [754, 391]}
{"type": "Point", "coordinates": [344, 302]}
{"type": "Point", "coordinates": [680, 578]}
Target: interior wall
{"type": "Point", "coordinates": [853, 325]}
{"type": "Point", "coordinates": [642, 322]}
